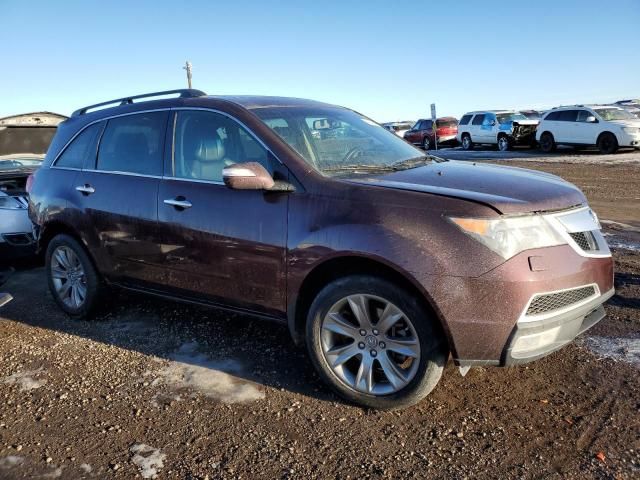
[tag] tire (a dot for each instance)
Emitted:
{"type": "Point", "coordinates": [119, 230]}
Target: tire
{"type": "Point", "coordinates": [467, 144]}
{"type": "Point", "coordinates": [68, 262]}
{"type": "Point", "coordinates": [607, 143]}
{"type": "Point", "coordinates": [547, 143]}
{"type": "Point", "coordinates": [504, 145]}
{"type": "Point", "coordinates": [426, 143]}
{"type": "Point", "coordinates": [353, 353]}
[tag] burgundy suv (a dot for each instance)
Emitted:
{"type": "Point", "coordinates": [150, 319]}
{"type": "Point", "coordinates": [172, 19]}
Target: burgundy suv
{"type": "Point", "coordinates": [384, 260]}
{"type": "Point", "coordinates": [423, 135]}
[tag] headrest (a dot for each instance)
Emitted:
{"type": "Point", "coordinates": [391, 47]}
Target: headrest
{"type": "Point", "coordinates": [210, 150]}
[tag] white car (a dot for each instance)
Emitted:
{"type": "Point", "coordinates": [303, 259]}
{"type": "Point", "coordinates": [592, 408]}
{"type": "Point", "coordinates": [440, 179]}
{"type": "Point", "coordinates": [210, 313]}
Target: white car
{"type": "Point", "coordinates": [504, 128]}
{"type": "Point", "coordinates": [605, 126]}
{"type": "Point", "coordinates": [399, 128]}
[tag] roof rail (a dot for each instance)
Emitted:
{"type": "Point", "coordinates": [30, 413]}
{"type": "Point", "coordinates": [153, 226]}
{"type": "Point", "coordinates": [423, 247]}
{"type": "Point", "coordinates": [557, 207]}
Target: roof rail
{"type": "Point", "coordinates": [184, 93]}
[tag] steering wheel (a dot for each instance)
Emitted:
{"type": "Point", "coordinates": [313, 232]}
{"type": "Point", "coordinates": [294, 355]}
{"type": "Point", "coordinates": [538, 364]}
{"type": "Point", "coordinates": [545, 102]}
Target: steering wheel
{"type": "Point", "coordinates": [352, 153]}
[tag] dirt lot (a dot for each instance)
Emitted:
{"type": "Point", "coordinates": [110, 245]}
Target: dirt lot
{"type": "Point", "coordinates": [156, 387]}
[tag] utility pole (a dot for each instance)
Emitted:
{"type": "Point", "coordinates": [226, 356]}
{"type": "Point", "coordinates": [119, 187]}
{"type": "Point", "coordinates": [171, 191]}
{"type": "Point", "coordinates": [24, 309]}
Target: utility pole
{"type": "Point", "coordinates": [187, 67]}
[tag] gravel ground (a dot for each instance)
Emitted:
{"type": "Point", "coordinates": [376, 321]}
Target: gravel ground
{"type": "Point", "coordinates": [156, 388]}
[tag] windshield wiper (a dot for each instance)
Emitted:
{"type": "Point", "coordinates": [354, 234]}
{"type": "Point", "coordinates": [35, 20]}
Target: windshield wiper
{"type": "Point", "coordinates": [416, 162]}
{"type": "Point", "coordinates": [355, 167]}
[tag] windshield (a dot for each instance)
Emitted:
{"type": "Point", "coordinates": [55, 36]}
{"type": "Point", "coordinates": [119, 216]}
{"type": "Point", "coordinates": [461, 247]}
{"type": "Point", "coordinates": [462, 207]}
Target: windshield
{"type": "Point", "coordinates": [509, 117]}
{"type": "Point", "coordinates": [17, 163]}
{"type": "Point", "coordinates": [614, 114]}
{"type": "Point", "coordinates": [333, 139]}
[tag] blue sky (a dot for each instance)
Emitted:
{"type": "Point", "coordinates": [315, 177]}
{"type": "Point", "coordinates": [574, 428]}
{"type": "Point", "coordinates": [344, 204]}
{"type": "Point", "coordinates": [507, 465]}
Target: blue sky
{"type": "Point", "coordinates": [386, 59]}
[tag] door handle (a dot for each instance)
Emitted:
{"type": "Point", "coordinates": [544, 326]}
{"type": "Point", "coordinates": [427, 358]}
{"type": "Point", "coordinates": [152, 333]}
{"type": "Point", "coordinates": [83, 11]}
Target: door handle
{"type": "Point", "coordinates": [180, 203]}
{"type": "Point", "coordinates": [86, 189]}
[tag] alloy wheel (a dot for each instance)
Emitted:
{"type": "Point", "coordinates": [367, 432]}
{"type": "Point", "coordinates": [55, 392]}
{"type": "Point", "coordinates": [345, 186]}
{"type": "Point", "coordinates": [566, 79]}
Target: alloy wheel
{"type": "Point", "coordinates": [370, 344]}
{"type": "Point", "coordinates": [503, 144]}
{"type": "Point", "coordinates": [466, 142]}
{"type": "Point", "coordinates": [68, 276]}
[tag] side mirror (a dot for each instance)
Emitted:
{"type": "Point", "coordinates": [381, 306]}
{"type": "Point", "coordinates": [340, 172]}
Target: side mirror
{"type": "Point", "coordinates": [492, 123]}
{"type": "Point", "coordinates": [247, 176]}
{"type": "Point", "coordinates": [592, 119]}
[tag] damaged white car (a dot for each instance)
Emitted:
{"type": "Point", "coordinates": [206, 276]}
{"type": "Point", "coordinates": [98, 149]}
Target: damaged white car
{"type": "Point", "coordinates": [24, 140]}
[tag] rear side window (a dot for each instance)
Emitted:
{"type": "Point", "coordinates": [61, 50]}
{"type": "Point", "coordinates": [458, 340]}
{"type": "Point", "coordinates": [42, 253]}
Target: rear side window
{"type": "Point", "coordinates": [553, 116]}
{"type": "Point", "coordinates": [465, 119]}
{"type": "Point", "coordinates": [477, 120]}
{"type": "Point", "coordinates": [568, 116]}
{"type": "Point", "coordinates": [134, 144]}
{"type": "Point", "coordinates": [84, 146]}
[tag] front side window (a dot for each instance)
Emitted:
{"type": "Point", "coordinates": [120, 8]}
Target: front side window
{"type": "Point", "coordinates": [207, 142]}
{"type": "Point", "coordinates": [334, 139]}
{"type": "Point", "coordinates": [133, 144]}
{"type": "Point", "coordinates": [489, 119]}
{"type": "Point", "coordinates": [583, 115]}
{"type": "Point", "coordinates": [568, 115]}
{"type": "Point", "coordinates": [477, 120]}
{"type": "Point", "coordinates": [83, 147]}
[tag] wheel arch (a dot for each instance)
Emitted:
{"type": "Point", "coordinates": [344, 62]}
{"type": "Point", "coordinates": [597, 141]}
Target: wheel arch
{"type": "Point", "coordinates": [345, 265]}
{"type": "Point", "coordinates": [56, 227]}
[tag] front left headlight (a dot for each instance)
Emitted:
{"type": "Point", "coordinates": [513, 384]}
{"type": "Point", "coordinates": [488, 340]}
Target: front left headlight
{"type": "Point", "coordinates": [9, 203]}
{"type": "Point", "coordinates": [511, 235]}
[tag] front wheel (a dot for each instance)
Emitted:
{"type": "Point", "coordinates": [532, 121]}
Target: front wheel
{"type": "Point", "coordinates": [607, 143]}
{"type": "Point", "coordinates": [504, 144]}
{"type": "Point", "coordinates": [374, 344]}
{"type": "Point", "coordinates": [73, 280]}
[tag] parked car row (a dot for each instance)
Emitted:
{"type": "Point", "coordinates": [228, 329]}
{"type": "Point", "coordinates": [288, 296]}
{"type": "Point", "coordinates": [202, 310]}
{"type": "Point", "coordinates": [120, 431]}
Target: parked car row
{"type": "Point", "coordinates": [607, 127]}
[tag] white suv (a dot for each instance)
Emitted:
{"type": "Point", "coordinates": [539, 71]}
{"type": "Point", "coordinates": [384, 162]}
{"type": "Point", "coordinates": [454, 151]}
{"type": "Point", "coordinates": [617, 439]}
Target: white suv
{"type": "Point", "coordinates": [503, 128]}
{"type": "Point", "coordinates": [605, 126]}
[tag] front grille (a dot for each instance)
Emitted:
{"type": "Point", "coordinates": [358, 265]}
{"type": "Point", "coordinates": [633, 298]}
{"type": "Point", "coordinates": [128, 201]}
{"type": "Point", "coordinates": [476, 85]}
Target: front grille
{"type": "Point", "coordinates": [555, 301]}
{"type": "Point", "coordinates": [585, 240]}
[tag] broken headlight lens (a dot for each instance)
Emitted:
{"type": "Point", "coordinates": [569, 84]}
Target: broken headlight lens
{"type": "Point", "coordinates": [511, 235]}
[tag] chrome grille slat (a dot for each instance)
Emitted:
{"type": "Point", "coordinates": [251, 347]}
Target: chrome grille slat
{"type": "Point", "coordinates": [549, 302]}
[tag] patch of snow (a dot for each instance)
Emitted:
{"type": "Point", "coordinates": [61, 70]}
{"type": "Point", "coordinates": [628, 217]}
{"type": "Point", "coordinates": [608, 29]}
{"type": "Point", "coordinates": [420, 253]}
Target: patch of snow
{"type": "Point", "coordinates": [149, 460]}
{"type": "Point", "coordinates": [11, 461]}
{"type": "Point", "coordinates": [25, 380]}
{"type": "Point", "coordinates": [617, 242]}
{"type": "Point", "coordinates": [618, 348]}
{"type": "Point", "coordinates": [85, 467]}
{"type": "Point", "coordinates": [190, 369]}
{"type": "Point", "coordinates": [53, 474]}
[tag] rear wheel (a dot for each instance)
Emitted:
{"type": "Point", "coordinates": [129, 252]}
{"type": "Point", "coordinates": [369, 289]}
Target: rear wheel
{"type": "Point", "coordinates": [607, 143]}
{"type": "Point", "coordinates": [467, 144]}
{"type": "Point", "coordinates": [426, 143]}
{"type": "Point", "coordinates": [547, 142]}
{"type": "Point", "coordinates": [503, 143]}
{"type": "Point", "coordinates": [373, 343]}
{"type": "Point", "coordinates": [73, 280]}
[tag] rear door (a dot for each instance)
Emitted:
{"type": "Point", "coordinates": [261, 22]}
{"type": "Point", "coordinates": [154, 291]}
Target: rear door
{"type": "Point", "coordinates": [117, 194]}
{"type": "Point", "coordinates": [228, 246]}
{"type": "Point", "coordinates": [566, 130]}
{"type": "Point", "coordinates": [475, 129]}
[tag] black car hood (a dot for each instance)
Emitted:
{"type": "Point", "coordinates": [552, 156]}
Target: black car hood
{"type": "Point", "coordinates": [508, 190]}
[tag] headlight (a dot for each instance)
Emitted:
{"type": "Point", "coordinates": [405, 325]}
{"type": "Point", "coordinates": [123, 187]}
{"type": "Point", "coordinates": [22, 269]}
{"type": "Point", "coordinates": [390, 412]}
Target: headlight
{"type": "Point", "coordinates": [509, 236]}
{"type": "Point", "coordinates": [9, 203]}
{"type": "Point", "coordinates": [631, 130]}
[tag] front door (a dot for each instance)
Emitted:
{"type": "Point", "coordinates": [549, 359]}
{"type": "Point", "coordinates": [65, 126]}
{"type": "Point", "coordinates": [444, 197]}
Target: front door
{"type": "Point", "coordinates": [228, 245]}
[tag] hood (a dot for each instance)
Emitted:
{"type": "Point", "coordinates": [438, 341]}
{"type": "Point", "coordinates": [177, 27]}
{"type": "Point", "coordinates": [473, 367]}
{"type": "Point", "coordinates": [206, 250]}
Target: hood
{"type": "Point", "coordinates": [508, 190]}
{"type": "Point", "coordinates": [626, 123]}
